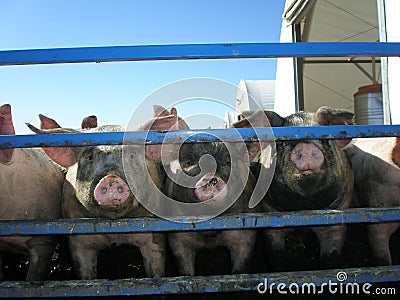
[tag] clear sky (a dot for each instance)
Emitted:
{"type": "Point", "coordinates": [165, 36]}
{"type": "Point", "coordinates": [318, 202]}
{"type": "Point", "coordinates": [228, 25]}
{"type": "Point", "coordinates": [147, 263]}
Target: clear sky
{"type": "Point", "coordinates": [112, 91]}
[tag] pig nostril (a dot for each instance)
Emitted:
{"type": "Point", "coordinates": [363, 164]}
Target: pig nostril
{"type": "Point", "coordinates": [213, 181]}
{"type": "Point", "coordinates": [104, 191]}
{"type": "Point", "coordinates": [120, 190]}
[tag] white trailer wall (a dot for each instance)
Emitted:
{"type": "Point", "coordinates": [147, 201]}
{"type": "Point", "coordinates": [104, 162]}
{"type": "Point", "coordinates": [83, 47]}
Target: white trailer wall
{"type": "Point", "coordinates": [391, 15]}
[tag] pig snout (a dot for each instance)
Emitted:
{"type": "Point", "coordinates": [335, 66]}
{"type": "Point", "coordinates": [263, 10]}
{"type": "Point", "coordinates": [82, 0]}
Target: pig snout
{"type": "Point", "coordinates": [307, 157]}
{"type": "Point", "coordinates": [111, 191]}
{"type": "Point", "coordinates": [209, 187]}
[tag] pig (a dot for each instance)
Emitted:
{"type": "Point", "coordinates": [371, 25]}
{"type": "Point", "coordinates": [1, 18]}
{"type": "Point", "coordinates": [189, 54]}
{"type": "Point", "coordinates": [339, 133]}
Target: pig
{"type": "Point", "coordinates": [96, 187]}
{"type": "Point", "coordinates": [376, 165]}
{"type": "Point", "coordinates": [211, 186]}
{"type": "Point", "coordinates": [312, 174]}
{"type": "Point", "coordinates": [30, 189]}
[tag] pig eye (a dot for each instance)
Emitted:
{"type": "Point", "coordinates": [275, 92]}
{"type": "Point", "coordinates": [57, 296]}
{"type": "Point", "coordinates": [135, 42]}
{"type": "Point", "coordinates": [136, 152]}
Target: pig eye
{"type": "Point", "coordinates": [281, 144]}
{"type": "Point", "coordinates": [88, 156]}
{"type": "Point", "coordinates": [186, 163]}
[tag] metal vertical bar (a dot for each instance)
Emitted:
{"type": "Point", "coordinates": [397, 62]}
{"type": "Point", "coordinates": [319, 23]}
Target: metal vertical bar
{"type": "Point", "coordinates": [374, 80]}
{"type": "Point", "coordinates": [384, 62]}
{"type": "Point", "coordinates": [298, 71]}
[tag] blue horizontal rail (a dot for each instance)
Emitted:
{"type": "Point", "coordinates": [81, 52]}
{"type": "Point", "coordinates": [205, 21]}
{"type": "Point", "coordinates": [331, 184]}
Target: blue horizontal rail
{"type": "Point", "coordinates": [201, 284]}
{"type": "Point", "coordinates": [240, 221]}
{"type": "Point", "coordinates": [196, 51]}
{"type": "Point", "coordinates": [201, 135]}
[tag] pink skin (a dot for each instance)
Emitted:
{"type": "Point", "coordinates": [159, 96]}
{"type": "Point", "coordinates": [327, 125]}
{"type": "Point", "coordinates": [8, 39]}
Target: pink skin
{"type": "Point", "coordinates": [211, 187]}
{"type": "Point", "coordinates": [307, 158]}
{"type": "Point", "coordinates": [111, 191]}
{"type": "Point", "coordinates": [6, 128]}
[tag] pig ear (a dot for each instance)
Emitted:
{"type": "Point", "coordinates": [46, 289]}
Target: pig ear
{"type": "Point", "coordinates": [259, 118]}
{"type": "Point", "coordinates": [89, 122]}
{"type": "Point", "coordinates": [6, 128]}
{"type": "Point", "coordinates": [47, 123]}
{"type": "Point", "coordinates": [159, 111]}
{"type": "Point", "coordinates": [274, 119]}
{"type": "Point", "coordinates": [6, 122]}
{"type": "Point", "coordinates": [64, 156]}
{"type": "Point", "coordinates": [164, 120]}
{"type": "Point", "coordinates": [327, 116]}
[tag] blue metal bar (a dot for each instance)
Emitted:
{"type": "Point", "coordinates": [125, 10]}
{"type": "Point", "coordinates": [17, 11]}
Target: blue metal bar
{"type": "Point", "coordinates": [201, 135]}
{"type": "Point", "coordinates": [240, 221]}
{"type": "Point", "coordinates": [196, 51]}
{"type": "Point", "coordinates": [201, 284]}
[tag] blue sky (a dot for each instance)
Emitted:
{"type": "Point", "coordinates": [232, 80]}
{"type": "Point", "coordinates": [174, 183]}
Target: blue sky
{"type": "Point", "coordinates": [112, 91]}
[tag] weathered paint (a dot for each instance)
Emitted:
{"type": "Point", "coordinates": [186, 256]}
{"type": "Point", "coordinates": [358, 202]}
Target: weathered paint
{"type": "Point", "coordinates": [187, 285]}
{"type": "Point", "coordinates": [241, 221]}
{"type": "Point", "coordinates": [200, 135]}
{"type": "Point", "coordinates": [196, 51]}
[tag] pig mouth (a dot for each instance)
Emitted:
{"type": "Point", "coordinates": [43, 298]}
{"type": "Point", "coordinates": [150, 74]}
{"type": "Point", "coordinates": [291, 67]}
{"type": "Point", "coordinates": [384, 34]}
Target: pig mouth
{"type": "Point", "coordinates": [304, 173]}
{"type": "Point", "coordinates": [211, 187]}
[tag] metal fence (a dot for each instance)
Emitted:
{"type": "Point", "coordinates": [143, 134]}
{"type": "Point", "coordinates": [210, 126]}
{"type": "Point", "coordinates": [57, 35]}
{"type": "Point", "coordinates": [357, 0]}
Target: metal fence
{"type": "Point", "coordinates": [198, 284]}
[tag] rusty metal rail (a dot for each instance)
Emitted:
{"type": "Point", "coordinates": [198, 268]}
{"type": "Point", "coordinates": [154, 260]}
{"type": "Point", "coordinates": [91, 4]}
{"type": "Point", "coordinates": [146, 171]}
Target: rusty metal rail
{"type": "Point", "coordinates": [317, 281]}
{"type": "Point", "coordinates": [240, 221]}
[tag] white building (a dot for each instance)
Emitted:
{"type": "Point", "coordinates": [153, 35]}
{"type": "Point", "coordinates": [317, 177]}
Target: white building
{"type": "Point", "coordinates": [252, 95]}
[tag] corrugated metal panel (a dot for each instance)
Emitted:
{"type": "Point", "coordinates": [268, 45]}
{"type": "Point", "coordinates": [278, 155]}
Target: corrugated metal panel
{"type": "Point", "coordinates": [338, 21]}
{"type": "Point", "coordinates": [343, 20]}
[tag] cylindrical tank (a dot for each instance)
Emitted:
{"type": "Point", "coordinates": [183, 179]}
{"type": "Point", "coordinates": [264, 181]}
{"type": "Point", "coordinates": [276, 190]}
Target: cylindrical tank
{"type": "Point", "coordinates": [368, 105]}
